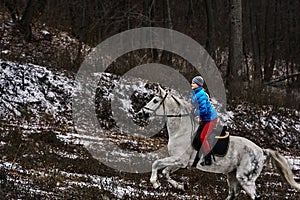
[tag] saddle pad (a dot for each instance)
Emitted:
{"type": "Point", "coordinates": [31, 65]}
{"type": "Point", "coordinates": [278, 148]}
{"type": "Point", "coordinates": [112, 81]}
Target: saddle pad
{"type": "Point", "coordinates": [220, 145]}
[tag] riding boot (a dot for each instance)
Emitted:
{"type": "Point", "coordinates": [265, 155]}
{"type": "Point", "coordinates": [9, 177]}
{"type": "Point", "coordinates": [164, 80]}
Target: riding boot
{"type": "Point", "coordinates": [207, 160]}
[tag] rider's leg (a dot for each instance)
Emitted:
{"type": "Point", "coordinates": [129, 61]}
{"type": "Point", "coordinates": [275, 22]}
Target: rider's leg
{"type": "Point", "coordinates": [197, 142]}
{"type": "Point", "coordinates": [207, 130]}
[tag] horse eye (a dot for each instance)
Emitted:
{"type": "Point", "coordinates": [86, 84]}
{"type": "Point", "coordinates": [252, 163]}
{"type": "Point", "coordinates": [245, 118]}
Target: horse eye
{"type": "Point", "coordinates": [155, 101]}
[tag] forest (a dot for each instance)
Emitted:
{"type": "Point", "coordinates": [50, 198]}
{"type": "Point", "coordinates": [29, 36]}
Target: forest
{"type": "Point", "coordinates": [254, 43]}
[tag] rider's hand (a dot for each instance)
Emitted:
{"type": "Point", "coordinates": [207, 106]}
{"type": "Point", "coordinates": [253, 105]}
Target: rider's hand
{"type": "Point", "coordinates": [198, 118]}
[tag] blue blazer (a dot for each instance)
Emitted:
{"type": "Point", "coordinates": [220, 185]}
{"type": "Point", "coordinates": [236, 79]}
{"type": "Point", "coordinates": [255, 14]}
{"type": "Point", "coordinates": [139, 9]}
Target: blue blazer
{"type": "Point", "coordinates": [204, 109]}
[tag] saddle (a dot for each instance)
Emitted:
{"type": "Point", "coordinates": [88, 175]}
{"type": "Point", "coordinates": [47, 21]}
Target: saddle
{"type": "Point", "coordinates": [218, 139]}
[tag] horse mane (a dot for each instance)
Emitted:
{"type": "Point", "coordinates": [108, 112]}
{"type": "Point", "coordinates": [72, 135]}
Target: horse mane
{"type": "Point", "coordinates": [180, 100]}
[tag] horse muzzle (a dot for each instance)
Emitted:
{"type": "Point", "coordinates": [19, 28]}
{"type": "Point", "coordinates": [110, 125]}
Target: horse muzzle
{"type": "Point", "coordinates": [143, 115]}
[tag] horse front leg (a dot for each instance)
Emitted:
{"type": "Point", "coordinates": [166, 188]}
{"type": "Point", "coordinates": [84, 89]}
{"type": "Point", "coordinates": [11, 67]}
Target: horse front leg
{"type": "Point", "coordinates": [167, 171]}
{"type": "Point", "coordinates": [153, 179]}
{"type": "Point", "coordinates": [169, 162]}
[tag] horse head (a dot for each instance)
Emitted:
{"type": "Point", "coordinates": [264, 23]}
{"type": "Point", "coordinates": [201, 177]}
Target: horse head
{"type": "Point", "coordinates": [155, 106]}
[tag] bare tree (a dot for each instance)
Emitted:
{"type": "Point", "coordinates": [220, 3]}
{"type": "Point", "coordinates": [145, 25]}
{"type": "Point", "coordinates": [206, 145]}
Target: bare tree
{"type": "Point", "coordinates": [210, 27]}
{"type": "Point", "coordinates": [12, 7]}
{"type": "Point", "coordinates": [255, 41]}
{"type": "Point", "coordinates": [167, 14]}
{"type": "Point", "coordinates": [266, 37]}
{"type": "Point", "coordinates": [33, 9]}
{"type": "Point", "coordinates": [167, 56]}
{"type": "Point", "coordinates": [190, 16]}
{"type": "Point", "coordinates": [236, 43]}
{"type": "Point", "coordinates": [269, 66]}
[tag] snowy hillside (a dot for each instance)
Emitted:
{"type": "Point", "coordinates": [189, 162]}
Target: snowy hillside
{"type": "Point", "coordinates": [42, 155]}
{"type": "Point", "coordinates": [33, 94]}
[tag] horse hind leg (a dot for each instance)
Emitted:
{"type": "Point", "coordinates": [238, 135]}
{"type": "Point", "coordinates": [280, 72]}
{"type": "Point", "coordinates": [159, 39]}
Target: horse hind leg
{"type": "Point", "coordinates": [247, 181]}
{"type": "Point", "coordinates": [234, 186]}
{"type": "Point", "coordinates": [250, 189]}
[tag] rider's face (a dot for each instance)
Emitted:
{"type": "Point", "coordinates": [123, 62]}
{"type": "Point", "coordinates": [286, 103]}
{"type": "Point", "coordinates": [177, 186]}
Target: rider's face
{"type": "Point", "coordinates": [194, 85]}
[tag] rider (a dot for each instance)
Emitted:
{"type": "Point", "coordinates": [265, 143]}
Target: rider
{"type": "Point", "coordinates": [208, 117]}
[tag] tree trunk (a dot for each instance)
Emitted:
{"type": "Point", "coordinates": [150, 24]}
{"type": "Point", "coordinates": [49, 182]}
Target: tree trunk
{"type": "Point", "coordinates": [290, 62]}
{"type": "Point", "coordinates": [82, 35]}
{"type": "Point", "coordinates": [269, 69]}
{"type": "Point", "coordinates": [190, 16]}
{"type": "Point", "coordinates": [210, 27]}
{"type": "Point", "coordinates": [236, 41]}
{"type": "Point", "coordinates": [148, 12]}
{"type": "Point", "coordinates": [25, 23]}
{"type": "Point", "coordinates": [166, 57]}
{"type": "Point", "coordinates": [255, 41]}
{"type": "Point", "coordinates": [168, 17]}
{"type": "Point", "coordinates": [266, 39]}
{"type": "Point", "coordinates": [33, 8]}
{"type": "Point", "coordinates": [11, 5]}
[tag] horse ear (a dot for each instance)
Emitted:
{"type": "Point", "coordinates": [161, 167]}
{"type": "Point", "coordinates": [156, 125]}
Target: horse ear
{"type": "Point", "coordinates": [161, 90]}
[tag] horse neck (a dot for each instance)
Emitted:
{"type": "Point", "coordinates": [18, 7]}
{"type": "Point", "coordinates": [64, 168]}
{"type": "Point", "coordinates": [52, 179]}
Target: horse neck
{"type": "Point", "coordinates": [180, 129]}
{"type": "Point", "coordinates": [175, 106]}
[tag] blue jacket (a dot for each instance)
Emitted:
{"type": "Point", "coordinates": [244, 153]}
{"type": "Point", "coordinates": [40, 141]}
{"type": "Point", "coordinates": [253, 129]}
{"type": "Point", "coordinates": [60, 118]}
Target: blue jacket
{"type": "Point", "coordinates": [204, 109]}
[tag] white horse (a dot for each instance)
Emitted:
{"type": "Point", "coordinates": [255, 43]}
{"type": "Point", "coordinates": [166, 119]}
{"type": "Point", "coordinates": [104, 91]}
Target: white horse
{"type": "Point", "coordinates": [242, 164]}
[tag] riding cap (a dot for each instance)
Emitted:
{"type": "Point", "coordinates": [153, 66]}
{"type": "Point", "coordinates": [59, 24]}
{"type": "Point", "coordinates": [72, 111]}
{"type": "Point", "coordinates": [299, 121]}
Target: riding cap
{"type": "Point", "coordinates": [198, 80]}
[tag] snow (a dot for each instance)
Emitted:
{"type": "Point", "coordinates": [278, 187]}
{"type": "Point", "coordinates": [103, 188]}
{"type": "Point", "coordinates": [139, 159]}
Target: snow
{"type": "Point", "coordinates": [5, 51]}
{"type": "Point", "coordinates": [35, 92]}
{"type": "Point", "coordinates": [118, 186]}
{"type": "Point", "coordinates": [44, 32]}
{"type": "Point", "coordinates": [294, 162]}
{"type": "Point", "coordinates": [297, 127]}
{"type": "Point", "coordinates": [32, 87]}
{"type": "Point", "coordinates": [32, 95]}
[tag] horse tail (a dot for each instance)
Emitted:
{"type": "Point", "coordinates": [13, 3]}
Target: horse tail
{"type": "Point", "coordinates": [283, 167]}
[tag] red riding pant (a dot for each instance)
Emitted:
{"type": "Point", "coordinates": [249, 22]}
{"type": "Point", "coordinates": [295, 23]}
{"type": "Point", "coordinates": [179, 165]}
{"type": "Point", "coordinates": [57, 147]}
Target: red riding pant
{"type": "Point", "coordinates": [206, 131]}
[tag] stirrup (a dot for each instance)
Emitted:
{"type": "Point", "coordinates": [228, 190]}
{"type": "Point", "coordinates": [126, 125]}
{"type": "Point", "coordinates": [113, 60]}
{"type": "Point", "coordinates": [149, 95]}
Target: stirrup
{"type": "Point", "coordinates": [207, 160]}
{"type": "Point", "coordinates": [206, 163]}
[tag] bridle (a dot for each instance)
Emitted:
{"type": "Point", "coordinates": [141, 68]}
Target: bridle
{"type": "Point", "coordinates": [166, 116]}
{"type": "Point", "coordinates": [162, 103]}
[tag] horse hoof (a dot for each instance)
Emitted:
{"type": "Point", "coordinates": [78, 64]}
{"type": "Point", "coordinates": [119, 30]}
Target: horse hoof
{"type": "Point", "coordinates": [182, 186]}
{"type": "Point", "coordinates": [156, 185]}
{"type": "Point", "coordinates": [258, 197]}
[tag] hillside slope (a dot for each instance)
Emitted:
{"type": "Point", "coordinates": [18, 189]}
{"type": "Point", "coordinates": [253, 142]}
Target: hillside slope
{"type": "Point", "coordinates": [42, 155]}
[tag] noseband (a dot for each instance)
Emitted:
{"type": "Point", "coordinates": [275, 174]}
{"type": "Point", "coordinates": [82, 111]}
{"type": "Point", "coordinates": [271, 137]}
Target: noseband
{"type": "Point", "coordinates": [161, 103]}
